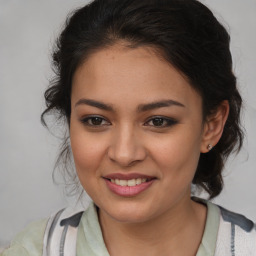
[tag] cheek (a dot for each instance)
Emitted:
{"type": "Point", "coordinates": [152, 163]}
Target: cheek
{"type": "Point", "coordinates": [84, 150]}
{"type": "Point", "coordinates": [88, 150]}
{"type": "Point", "coordinates": [177, 155]}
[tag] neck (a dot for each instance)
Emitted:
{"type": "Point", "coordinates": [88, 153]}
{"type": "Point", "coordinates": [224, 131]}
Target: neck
{"type": "Point", "coordinates": [176, 232]}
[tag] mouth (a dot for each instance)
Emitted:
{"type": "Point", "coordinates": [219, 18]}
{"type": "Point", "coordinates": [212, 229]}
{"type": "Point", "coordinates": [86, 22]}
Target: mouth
{"type": "Point", "coordinates": [130, 182]}
{"type": "Point", "coordinates": [128, 185]}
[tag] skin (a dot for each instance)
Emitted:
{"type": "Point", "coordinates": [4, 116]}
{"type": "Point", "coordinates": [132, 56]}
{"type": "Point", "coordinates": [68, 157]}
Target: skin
{"type": "Point", "coordinates": [162, 218]}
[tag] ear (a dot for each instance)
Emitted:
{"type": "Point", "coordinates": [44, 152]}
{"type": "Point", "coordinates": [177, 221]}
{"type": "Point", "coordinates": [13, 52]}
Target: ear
{"type": "Point", "coordinates": [213, 127]}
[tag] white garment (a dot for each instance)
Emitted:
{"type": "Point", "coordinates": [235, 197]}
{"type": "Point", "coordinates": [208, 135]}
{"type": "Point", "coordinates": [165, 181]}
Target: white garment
{"type": "Point", "coordinates": [238, 232]}
{"type": "Point", "coordinates": [225, 234]}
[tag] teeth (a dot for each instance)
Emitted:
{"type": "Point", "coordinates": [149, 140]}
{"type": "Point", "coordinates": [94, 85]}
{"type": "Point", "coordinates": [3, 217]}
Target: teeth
{"type": "Point", "coordinates": [138, 181]}
{"type": "Point", "coordinates": [123, 183]}
{"type": "Point", "coordinates": [129, 183]}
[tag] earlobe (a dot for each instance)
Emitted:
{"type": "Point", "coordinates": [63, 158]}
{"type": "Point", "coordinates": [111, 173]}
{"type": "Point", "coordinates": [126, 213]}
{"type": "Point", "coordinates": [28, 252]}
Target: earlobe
{"type": "Point", "coordinates": [213, 127]}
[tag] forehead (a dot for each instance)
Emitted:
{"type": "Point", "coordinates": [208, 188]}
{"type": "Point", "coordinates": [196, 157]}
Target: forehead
{"type": "Point", "coordinates": [119, 72]}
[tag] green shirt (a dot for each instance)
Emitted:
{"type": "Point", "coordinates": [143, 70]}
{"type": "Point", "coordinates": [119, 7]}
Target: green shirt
{"type": "Point", "coordinates": [90, 241]}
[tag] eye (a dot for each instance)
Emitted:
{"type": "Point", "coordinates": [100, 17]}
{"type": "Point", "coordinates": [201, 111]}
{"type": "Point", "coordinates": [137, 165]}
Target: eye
{"type": "Point", "coordinates": [95, 121]}
{"type": "Point", "coordinates": [160, 122]}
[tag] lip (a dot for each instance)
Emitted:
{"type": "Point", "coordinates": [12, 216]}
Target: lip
{"type": "Point", "coordinates": [128, 176]}
{"type": "Point", "coordinates": [128, 191]}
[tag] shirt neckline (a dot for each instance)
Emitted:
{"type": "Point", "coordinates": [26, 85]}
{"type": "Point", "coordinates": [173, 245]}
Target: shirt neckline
{"type": "Point", "coordinates": [209, 239]}
{"type": "Point", "coordinates": [207, 246]}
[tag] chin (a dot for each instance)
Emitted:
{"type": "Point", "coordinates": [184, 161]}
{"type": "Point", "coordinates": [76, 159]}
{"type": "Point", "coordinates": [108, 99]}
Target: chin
{"type": "Point", "coordinates": [129, 213]}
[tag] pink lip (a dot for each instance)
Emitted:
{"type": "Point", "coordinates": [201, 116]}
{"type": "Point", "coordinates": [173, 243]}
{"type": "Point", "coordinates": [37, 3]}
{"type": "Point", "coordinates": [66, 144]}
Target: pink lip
{"type": "Point", "coordinates": [127, 191]}
{"type": "Point", "coordinates": [127, 176]}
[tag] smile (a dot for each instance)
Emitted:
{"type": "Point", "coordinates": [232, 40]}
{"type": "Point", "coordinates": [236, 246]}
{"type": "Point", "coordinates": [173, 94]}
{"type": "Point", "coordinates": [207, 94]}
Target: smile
{"type": "Point", "coordinates": [129, 183]}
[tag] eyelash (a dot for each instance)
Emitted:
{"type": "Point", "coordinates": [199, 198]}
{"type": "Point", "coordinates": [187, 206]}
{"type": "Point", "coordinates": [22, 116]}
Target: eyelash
{"type": "Point", "coordinates": [85, 121]}
{"type": "Point", "coordinates": [168, 121]}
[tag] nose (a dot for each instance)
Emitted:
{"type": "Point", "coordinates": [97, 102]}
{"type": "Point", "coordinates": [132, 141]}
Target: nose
{"type": "Point", "coordinates": [126, 147]}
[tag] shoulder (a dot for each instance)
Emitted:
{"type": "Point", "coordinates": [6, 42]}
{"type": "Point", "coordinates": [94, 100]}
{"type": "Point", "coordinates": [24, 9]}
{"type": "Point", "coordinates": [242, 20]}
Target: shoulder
{"type": "Point", "coordinates": [234, 234]}
{"type": "Point", "coordinates": [239, 220]}
{"type": "Point", "coordinates": [238, 231]}
{"type": "Point", "coordinates": [29, 241]}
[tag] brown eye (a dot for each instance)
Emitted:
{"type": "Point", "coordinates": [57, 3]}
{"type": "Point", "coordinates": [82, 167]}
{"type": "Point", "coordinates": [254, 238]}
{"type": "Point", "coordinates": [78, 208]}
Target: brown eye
{"type": "Point", "coordinates": [94, 121]}
{"type": "Point", "coordinates": [161, 122]}
{"type": "Point", "coordinates": [158, 121]}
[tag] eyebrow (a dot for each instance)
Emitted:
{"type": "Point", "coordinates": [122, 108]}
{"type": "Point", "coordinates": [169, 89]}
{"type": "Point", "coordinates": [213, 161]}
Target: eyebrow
{"type": "Point", "coordinates": [158, 104]}
{"type": "Point", "coordinates": [140, 108]}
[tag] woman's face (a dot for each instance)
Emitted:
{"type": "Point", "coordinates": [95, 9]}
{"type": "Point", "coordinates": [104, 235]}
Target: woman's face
{"type": "Point", "coordinates": [136, 133]}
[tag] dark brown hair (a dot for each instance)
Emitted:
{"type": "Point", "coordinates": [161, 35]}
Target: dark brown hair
{"type": "Point", "coordinates": [188, 36]}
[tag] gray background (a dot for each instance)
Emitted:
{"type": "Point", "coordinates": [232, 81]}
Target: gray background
{"type": "Point", "coordinates": [28, 151]}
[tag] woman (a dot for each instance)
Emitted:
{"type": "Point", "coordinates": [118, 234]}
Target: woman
{"type": "Point", "coordinates": [150, 99]}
